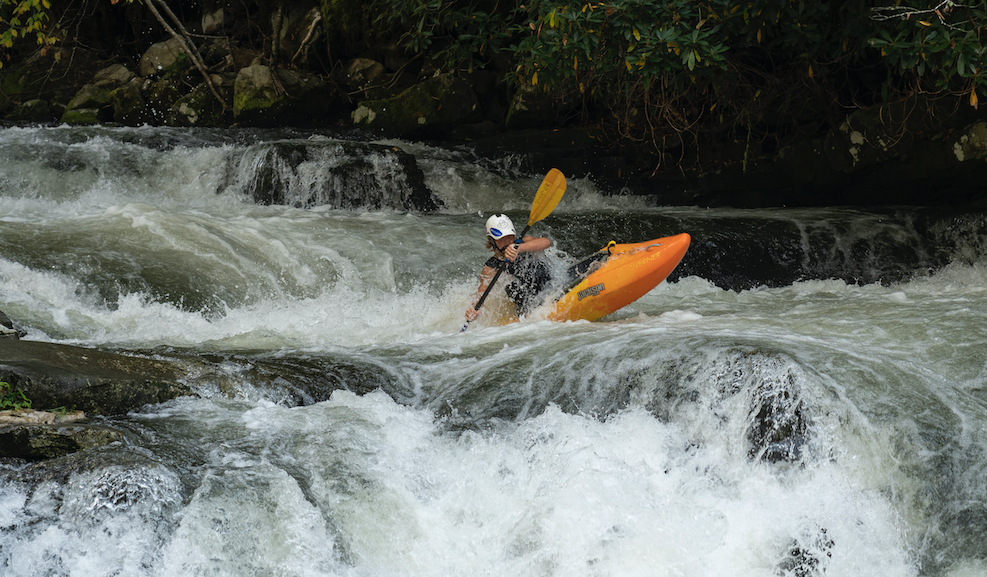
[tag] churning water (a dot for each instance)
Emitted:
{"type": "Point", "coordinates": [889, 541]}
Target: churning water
{"type": "Point", "coordinates": [806, 395]}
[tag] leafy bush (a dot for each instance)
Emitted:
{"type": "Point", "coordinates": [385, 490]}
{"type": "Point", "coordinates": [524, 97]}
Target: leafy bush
{"type": "Point", "coordinates": [940, 44]}
{"type": "Point", "coordinates": [670, 63]}
{"type": "Point", "coordinates": [20, 19]}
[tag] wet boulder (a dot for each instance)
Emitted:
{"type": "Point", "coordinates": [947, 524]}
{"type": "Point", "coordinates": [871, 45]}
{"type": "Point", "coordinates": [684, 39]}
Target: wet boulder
{"type": "Point", "coordinates": [40, 435]}
{"type": "Point", "coordinates": [429, 109]}
{"type": "Point", "coordinates": [160, 95]}
{"type": "Point", "coordinates": [92, 101]}
{"type": "Point", "coordinates": [808, 555]}
{"type": "Point", "coordinates": [97, 382]}
{"type": "Point", "coordinates": [7, 328]}
{"type": "Point", "coordinates": [97, 93]}
{"type": "Point", "coordinates": [85, 116]}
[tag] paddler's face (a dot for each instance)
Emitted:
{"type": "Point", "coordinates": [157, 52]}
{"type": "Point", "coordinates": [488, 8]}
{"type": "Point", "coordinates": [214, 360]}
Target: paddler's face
{"type": "Point", "coordinates": [504, 241]}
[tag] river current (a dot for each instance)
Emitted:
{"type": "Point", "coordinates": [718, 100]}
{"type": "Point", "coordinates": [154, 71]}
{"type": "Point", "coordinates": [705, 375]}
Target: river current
{"type": "Point", "coordinates": [805, 395]}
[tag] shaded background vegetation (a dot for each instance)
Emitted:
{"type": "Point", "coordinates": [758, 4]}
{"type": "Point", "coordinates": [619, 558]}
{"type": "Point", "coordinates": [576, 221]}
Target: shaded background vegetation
{"type": "Point", "coordinates": [745, 78]}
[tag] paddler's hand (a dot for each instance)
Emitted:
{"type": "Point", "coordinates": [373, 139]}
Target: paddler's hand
{"type": "Point", "coordinates": [511, 252]}
{"type": "Point", "coordinates": [471, 314]}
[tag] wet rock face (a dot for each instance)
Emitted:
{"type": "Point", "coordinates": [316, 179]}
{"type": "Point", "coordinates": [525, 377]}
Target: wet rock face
{"type": "Point", "coordinates": [97, 382]}
{"type": "Point", "coordinates": [60, 384]}
{"type": "Point", "coordinates": [361, 176]}
{"type": "Point", "coordinates": [758, 396]}
{"type": "Point", "coordinates": [808, 555]}
{"type": "Point", "coordinates": [33, 444]}
{"type": "Point", "coordinates": [40, 442]}
{"type": "Point", "coordinates": [779, 429]}
{"type": "Point", "coordinates": [9, 330]}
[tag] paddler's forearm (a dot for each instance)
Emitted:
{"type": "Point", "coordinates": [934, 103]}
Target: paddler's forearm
{"type": "Point", "coordinates": [534, 244]}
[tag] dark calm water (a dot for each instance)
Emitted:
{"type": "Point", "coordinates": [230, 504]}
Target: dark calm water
{"type": "Point", "coordinates": [805, 396]}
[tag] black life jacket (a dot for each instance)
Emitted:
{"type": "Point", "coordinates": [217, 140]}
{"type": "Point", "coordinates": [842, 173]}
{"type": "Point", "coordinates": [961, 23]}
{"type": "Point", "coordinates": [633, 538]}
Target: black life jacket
{"type": "Point", "coordinates": [531, 277]}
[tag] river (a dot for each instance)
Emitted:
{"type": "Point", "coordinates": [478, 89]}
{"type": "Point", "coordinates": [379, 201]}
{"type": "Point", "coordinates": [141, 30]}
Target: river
{"type": "Point", "coordinates": [805, 395]}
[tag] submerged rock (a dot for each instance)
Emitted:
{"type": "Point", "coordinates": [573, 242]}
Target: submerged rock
{"type": "Point", "coordinates": [779, 425]}
{"type": "Point", "coordinates": [808, 555]}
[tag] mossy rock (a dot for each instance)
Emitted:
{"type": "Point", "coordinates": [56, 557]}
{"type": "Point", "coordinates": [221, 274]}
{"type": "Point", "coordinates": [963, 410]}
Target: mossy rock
{"type": "Point", "coordinates": [164, 58]}
{"type": "Point", "coordinates": [428, 109]}
{"type": "Point", "coordinates": [12, 85]}
{"type": "Point", "coordinates": [96, 94]}
{"type": "Point", "coordinates": [254, 91]}
{"type": "Point", "coordinates": [91, 96]}
{"type": "Point", "coordinates": [265, 96]}
{"type": "Point", "coordinates": [82, 116]}
{"type": "Point", "coordinates": [35, 443]}
{"type": "Point", "coordinates": [129, 106]}
{"type": "Point", "coordinates": [41, 442]}
{"type": "Point", "coordinates": [97, 382]}
{"type": "Point", "coordinates": [197, 108]}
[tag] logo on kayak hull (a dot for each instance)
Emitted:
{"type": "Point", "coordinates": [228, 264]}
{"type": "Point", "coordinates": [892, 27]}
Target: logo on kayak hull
{"type": "Point", "coordinates": [590, 292]}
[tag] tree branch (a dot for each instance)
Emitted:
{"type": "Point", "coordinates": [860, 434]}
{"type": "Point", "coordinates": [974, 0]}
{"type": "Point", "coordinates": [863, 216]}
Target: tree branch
{"type": "Point", "coordinates": [186, 42]}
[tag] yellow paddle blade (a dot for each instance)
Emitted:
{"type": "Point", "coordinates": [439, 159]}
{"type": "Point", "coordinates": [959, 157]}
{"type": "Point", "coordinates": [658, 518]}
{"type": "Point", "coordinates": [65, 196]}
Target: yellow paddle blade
{"type": "Point", "coordinates": [548, 196]}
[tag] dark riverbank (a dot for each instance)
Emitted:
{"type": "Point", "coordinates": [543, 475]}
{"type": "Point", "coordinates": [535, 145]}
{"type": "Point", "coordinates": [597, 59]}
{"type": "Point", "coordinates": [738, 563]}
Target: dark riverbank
{"type": "Point", "coordinates": [216, 72]}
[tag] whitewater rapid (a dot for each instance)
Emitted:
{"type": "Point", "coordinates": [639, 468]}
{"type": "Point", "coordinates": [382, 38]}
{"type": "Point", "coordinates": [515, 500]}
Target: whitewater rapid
{"type": "Point", "coordinates": [804, 396]}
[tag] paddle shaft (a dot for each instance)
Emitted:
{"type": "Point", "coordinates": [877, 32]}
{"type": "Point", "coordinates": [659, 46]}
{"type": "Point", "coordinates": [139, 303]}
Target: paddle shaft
{"type": "Point", "coordinates": [500, 269]}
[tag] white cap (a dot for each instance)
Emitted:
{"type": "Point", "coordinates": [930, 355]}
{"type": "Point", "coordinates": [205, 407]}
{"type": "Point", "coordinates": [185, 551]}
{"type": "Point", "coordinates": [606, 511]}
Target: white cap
{"type": "Point", "coordinates": [499, 226]}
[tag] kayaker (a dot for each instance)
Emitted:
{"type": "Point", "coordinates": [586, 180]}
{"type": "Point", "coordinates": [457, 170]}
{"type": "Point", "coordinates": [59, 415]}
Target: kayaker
{"type": "Point", "coordinates": [522, 260]}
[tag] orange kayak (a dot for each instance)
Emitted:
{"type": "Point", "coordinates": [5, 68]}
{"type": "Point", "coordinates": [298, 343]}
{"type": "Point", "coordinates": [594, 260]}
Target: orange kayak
{"type": "Point", "coordinates": [626, 273]}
